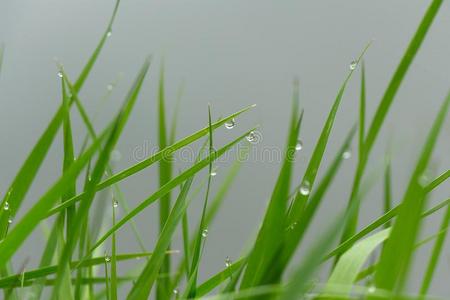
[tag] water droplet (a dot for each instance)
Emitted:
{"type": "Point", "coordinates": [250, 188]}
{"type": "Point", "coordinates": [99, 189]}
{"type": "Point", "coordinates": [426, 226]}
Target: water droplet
{"type": "Point", "coordinates": [252, 137]}
{"type": "Point", "coordinates": [353, 65]}
{"type": "Point", "coordinates": [107, 258]}
{"type": "Point", "coordinates": [205, 233]}
{"type": "Point", "coordinates": [213, 173]}
{"type": "Point", "coordinates": [230, 124]}
{"type": "Point", "coordinates": [227, 262]}
{"type": "Point", "coordinates": [299, 145]}
{"type": "Point", "coordinates": [371, 289]}
{"type": "Point", "coordinates": [109, 87]}
{"type": "Point", "coordinates": [305, 188]}
{"type": "Point", "coordinates": [116, 156]}
{"type": "Point", "coordinates": [60, 74]}
{"type": "Point", "coordinates": [10, 220]}
{"type": "Point", "coordinates": [175, 291]}
{"type": "Point", "coordinates": [6, 205]}
{"type": "Point", "coordinates": [115, 203]}
{"type": "Point", "coordinates": [109, 33]}
{"type": "Point", "coordinates": [424, 179]}
{"type": "Point", "coordinates": [347, 154]}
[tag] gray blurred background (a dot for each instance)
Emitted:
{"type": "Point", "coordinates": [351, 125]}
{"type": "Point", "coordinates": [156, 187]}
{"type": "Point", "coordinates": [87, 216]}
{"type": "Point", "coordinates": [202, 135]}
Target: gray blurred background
{"type": "Point", "coordinates": [230, 54]}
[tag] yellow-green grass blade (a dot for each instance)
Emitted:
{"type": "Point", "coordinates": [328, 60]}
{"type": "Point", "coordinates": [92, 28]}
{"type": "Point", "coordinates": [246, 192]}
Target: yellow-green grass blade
{"type": "Point", "coordinates": [384, 106]}
{"type": "Point", "coordinates": [379, 222]}
{"type": "Point", "coordinates": [350, 263]}
{"type": "Point", "coordinates": [149, 161]}
{"type": "Point", "coordinates": [165, 174]}
{"type": "Point", "coordinates": [393, 269]}
{"type": "Point", "coordinates": [274, 223]}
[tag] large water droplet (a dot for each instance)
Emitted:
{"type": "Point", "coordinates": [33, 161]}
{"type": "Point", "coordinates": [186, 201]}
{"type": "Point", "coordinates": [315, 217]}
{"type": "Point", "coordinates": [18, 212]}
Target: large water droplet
{"type": "Point", "coordinates": [230, 124]}
{"type": "Point", "coordinates": [347, 154]}
{"type": "Point", "coordinates": [6, 205]}
{"type": "Point", "coordinates": [305, 188]}
{"type": "Point", "coordinates": [353, 65]}
{"type": "Point", "coordinates": [227, 262]}
{"type": "Point", "coordinates": [115, 203]}
{"type": "Point", "coordinates": [205, 233]}
{"type": "Point", "coordinates": [299, 145]}
{"type": "Point", "coordinates": [252, 137]}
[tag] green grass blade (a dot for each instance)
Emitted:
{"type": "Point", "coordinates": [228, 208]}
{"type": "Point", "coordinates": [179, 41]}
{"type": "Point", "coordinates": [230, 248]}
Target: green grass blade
{"type": "Point", "coordinates": [392, 270]}
{"type": "Point", "coordinates": [387, 191]}
{"type": "Point", "coordinates": [169, 186]}
{"type": "Point", "coordinates": [143, 286]}
{"type": "Point", "coordinates": [69, 155]}
{"type": "Point", "coordinates": [384, 106]}
{"type": "Point", "coordinates": [217, 279]}
{"type": "Point", "coordinates": [149, 161]}
{"type": "Point", "coordinates": [90, 63]}
{"type": "Point", "coordinates": [51, 269]}
{"type": "Point", "coordinates": [274, 222]}
{"type": "Point", "coordinates": [362, 111]}
{"type": "Point", "coordinates": [97, 174]}
{"type": "Point", "coordinates": [25, 226]}
{"type": "Point", "coordinates": [436, 253]}
{"type": "Point", "coordinates": [165, 174]}
{"type": "Point", "coordinates": [113, 255]}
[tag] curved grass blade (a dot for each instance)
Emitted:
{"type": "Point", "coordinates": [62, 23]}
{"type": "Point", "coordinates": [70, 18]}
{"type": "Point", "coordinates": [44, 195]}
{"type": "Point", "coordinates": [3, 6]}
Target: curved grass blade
{"type": "Point", "coordinates": [97, 174]}
{"type": "Point", "coordinates": [384, 106]}
{"type": "Point", "coordinates": [149, 161]}
{"type": "Point", "coordinates": [349, 265]}
{"type": "Point", "coordinates": [169, 186]}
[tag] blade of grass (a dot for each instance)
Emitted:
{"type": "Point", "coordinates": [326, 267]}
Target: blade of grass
{"type": "Point", "coordinates": [113, 255]}
{"type": "Point", "coordinates": [392, 270]}
{"type": "Point", "coordinates": [349, 265]}
{"type": "Point", "coordinates": [362, 111]}
{"type": "Point", "coordinates": [169, 186]}
{"type": "Point", "coordinates": [97, 174]}
{"type": "Point", "coordinates": [148, 162]}
{"type": "Point", "coordinates": [384, 106]}
{"type": "Point", "coordinates": [274, 222]}
{"type": "Point", "coordinates": [165, 174]}
{"type": "Point", "coordinates": [436, 252]}
{"type": "Point", "coordinates": [199, 237]}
